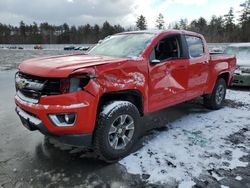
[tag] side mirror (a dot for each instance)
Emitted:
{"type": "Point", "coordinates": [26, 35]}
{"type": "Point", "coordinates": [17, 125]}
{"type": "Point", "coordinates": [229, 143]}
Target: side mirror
{"type": "Point", "coordinates": [155, 61]}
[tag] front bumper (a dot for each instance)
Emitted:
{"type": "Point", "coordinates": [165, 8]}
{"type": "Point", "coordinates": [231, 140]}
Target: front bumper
{"type": "Point", "coordinates": [241, 79]}
{"type": "Point", "coordinates": [35, 116]}
{"type": "Point", "coordinates": [32, 123]}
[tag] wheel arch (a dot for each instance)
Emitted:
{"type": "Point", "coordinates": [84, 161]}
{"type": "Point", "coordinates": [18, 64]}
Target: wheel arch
{"type": "Point", "coordinates": [133, 96]}
{"type": "Point", "coordinates": [213, 79]}
{"type": "Point", "coordinates": [225, 76]}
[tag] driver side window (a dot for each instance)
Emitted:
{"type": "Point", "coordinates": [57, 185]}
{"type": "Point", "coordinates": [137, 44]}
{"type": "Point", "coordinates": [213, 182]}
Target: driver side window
{"type": "Point", "coordinates": [167, 48]}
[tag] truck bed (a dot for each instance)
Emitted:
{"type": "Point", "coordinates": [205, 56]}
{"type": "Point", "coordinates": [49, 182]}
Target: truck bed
{"type": "Point", "coordinates": [221, 56]}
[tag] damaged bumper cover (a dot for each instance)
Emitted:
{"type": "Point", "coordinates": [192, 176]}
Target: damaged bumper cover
{"type": "Point", "coordinates": [33, 123]}
{"type": "Point", "coordinates": [35, 116]}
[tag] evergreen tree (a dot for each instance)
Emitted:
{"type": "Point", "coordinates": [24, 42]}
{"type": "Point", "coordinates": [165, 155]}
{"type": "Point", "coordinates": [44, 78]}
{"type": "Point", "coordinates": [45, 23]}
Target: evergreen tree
{"type": "Point", "coordinates": [107, 29]}
{"type": "Point", "coordinates": [22, 30]}
{"type": "Point", "coordinates": [218, 29]}
{"type": "Point", "coordinates": [245, 21]}
{"type": "Point", "coordinates": [199, 26]}
{"type": "Point", "coordinates": [183, 24]}
{"type": "Point", "coordinates": [230, 26]}
{"type": "Point", "coordinates": [65, 36]}
{"type": "Point", "coordinates": [176, 25]}
{"type": "Point", "coordinates": [245, 13]}
{"type": "Point", "coordinates": [202, 25]}
{"type": "Point", "coordinates": [73, 34]}
{"type": "Point", "coordinates": [141, 23]}
{"type": "Point", "coordinates": [96, 33]}
{"type": "Point", "coordinates": [160, 22]}
{"type": "Point", "coordinates": [229, 20]}
{"type": "Point", "coordinates": [215, 30]}
{"type": "Point", "coordinates": [118, 28]}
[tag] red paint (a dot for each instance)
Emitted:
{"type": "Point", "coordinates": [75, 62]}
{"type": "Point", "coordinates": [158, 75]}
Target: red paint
{"type": "Point", "coordinates": [161, 85]}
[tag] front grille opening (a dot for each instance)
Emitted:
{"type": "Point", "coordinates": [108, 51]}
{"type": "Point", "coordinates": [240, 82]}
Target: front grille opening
{"type": "Point", "coordinates": [51, 86]}
{"type": "Point", "coordinates": [30, 93]}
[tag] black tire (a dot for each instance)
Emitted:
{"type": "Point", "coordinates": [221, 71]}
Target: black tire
{"type": "Point", "coordinates": [215, 100]}
{"type": "Point", "coordinates": [109, 143]}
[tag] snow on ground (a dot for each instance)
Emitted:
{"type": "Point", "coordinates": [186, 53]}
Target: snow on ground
{"type": "Point", "coordinates": [239, 96]}
{"type": "Point", "coordinates": [193, 145]}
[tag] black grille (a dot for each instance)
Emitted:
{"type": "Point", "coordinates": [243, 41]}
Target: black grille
{"type": "Point", "coordinates": [30, 93]}
{"type": "Point", "coordinates": [50, 86]}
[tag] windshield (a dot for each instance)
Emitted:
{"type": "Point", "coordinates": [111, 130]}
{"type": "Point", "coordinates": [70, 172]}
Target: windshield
{"type": "Point", "coordinates": [242, 53]}
{"type": "Point", "coordinates": [123, 45]}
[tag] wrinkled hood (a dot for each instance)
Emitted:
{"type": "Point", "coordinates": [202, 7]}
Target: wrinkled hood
{"type": "Point", "coordinates": [63, 65]}
{"type": "Point", "coordinates": [243, 62]}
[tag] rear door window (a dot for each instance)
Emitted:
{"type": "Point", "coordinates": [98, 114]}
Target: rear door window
{"type": "Point", "coordinates": [195, 46]}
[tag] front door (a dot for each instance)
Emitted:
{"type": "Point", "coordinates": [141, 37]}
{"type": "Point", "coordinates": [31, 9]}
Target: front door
{"type": "Point", "coordinates": [168, 77]}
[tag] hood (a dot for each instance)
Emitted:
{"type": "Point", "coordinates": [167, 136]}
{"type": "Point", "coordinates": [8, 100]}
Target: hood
{"type": "Point", "coordinates": [243, 63]}
{"type": "Point", "coordinates": [63, 65]}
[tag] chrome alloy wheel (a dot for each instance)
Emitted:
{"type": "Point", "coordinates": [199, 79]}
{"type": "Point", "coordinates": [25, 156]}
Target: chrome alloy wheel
{"type": "Point", "coordinates": [121, 131]}
{"type": "Point", "coordinates": [219, 95]}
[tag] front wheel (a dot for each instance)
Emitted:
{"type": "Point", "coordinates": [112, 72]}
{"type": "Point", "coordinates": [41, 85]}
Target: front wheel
{"type": "Point", "coordinates": [116, 130]}
{"type": "Point", "coordinates": [216, 99]}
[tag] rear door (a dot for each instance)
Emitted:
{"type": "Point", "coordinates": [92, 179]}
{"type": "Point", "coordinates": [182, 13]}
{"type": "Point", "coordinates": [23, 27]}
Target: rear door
{"type": "Point", "coordinates": [168, 77]}
{"type": "Point", "coordinates": [198, 68]}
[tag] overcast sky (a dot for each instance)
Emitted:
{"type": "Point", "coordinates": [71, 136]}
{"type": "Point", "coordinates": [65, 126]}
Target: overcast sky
{"type": "Point", "coordinates": [123, 12]}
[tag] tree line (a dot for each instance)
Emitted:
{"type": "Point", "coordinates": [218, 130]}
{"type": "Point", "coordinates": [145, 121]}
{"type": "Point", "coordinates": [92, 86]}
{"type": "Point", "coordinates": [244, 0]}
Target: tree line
{"type": "Point", "coordinates": [224, 28]}
{"type": "Point", "coordinates": [46, 33]}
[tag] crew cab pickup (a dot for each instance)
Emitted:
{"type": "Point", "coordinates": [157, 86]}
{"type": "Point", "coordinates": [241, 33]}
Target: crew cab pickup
{"type": "Point", "coordinates": [96, 99]}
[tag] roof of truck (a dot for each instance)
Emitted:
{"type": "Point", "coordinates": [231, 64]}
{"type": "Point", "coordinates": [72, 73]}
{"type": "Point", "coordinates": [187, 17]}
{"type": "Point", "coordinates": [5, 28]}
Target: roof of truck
{"type": "Point", "coordinates": [162, 31]}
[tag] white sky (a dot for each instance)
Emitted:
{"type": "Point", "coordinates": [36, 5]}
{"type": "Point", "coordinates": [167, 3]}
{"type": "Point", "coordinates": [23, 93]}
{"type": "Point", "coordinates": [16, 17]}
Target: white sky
{"type": "Point", "coordinates": [123, 12]}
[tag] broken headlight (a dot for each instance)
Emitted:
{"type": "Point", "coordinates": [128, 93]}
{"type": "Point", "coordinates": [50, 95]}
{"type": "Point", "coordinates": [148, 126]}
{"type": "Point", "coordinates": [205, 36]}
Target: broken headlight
{"type": "Point", "coordinates": [74, 83]}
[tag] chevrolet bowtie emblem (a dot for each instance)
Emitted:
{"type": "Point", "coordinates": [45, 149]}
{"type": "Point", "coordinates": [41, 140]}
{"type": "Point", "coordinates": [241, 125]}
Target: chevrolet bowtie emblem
{"type": "Point", "coordinates": [21, 84]}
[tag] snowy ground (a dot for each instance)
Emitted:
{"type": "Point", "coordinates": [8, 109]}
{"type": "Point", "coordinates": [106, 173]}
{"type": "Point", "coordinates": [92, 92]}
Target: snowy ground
{"type": "Point", "coordinates": [196, 146]}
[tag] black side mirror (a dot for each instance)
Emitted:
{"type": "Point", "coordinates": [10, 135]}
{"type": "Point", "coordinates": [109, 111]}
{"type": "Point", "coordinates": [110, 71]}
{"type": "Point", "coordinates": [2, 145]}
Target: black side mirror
{"type": "Point", "coordinates": [155, 61]}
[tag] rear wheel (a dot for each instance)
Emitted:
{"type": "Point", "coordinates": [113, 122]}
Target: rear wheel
{"type": "Point", "coordinates": [216, 99]}
{"type": "Point", "coordinates": [116, 130]}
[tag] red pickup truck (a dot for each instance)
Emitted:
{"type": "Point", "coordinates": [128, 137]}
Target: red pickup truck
{"type": "Point", "coordinates": [96, 99]}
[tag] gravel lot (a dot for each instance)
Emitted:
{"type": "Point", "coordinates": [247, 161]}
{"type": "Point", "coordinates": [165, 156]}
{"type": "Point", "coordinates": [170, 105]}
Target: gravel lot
{"type": "Point", "coordinates": [190, 146]}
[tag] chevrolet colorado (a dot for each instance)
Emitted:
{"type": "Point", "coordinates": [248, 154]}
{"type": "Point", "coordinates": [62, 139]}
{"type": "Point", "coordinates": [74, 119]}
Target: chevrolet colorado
{"type": "Point", "coordinates": [96, 99]}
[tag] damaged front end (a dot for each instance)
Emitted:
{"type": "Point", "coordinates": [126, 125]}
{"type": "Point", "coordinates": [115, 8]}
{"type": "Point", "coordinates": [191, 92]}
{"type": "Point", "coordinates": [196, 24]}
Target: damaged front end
{"type": "Point", "coordinates": [58, 107]}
